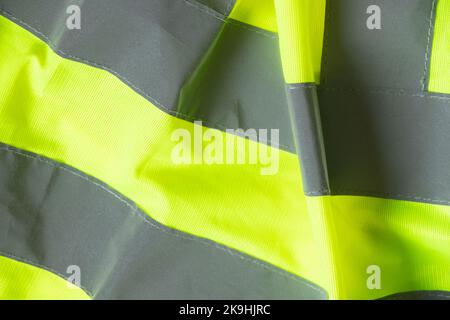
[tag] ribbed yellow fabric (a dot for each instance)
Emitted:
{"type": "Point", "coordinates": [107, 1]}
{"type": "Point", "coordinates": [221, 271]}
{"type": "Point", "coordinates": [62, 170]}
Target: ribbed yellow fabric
{"type": "Point", "coordinates": [300, 30]}
{"type": "Point", "coordinates": [87, 118]}
{"type": "Point", "coordinates": [258, 13]}
{"type": "Point", "coordinates": [21, 281]}
{"type": "Point", "coordinates": [440, 56]}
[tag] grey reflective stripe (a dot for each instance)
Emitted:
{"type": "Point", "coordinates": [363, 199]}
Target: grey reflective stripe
{"type": "Point", "coordinates": [184, 57]}
{"type": "Point", "coordinates": [382, 143]}
{"type": "Point", "coordinates": [306, 123]}
{"type": "Point", "coordinates": [383, 136]}
{"type": "Point", "coordinates": [54, 216]}
{"type": "Point", "coordinates": [419, 295]}
{"type": "Point", "coordinates": [394, 56]}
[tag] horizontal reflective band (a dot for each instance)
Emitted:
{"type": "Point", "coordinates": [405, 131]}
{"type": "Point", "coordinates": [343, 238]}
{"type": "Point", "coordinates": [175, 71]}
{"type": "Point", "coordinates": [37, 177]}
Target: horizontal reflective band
{"type": "Point", "coordinates": [55, 216]}
{"type": "Point", "coordinates": [379, 143]}
{"type": "Point", "coordinates": [440, 61]}
{"type": "Point", "coordinates": [180, 55]}
{"type": "Point", "coordinates": [258, 13]}
{"type": "Point", "coordinates": [420, 295]}
{"type": "Point", "coordinates": [87, 118]}
{"type": "Point", "coordinates": [22, 281]}
{"type": "Point", "coordinates": [307, 128]}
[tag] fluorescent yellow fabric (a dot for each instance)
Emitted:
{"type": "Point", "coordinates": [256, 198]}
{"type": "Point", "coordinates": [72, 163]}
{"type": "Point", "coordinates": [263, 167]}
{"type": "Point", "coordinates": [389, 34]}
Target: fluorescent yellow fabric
{"type": "Point", "coordinates": [89, 119]}
{"type": "Point", "coordinates": [409, 241]}
{"type": "Point", "coordinates": [300, 30]}
{"type": "Point", "coordinates": [259, 13]}
{"type": "Point", "coordinates": [21, 281]}
{"type": "Point", "coordinates": [440, 56]}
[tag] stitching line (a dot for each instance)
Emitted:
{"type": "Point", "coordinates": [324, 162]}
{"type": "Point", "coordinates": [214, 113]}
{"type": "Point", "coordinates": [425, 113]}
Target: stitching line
{"type": "Point", "coordinates": [427, 51]}
{"type": "Point", "coordinates": [424, 95]}
{"type": "Point", "coordinates": [295, 86]}
{"type": "Point", "coordinates": [400, 93]}
{"type": "Point", "coordinates": [145, 218]}
{"type": "Point", "coordinates": [322, 192]}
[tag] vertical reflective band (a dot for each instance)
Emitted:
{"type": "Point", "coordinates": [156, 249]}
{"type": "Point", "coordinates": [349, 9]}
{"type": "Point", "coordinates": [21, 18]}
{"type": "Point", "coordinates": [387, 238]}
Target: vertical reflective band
{"type": "Point", "coordinates": [440, 56]}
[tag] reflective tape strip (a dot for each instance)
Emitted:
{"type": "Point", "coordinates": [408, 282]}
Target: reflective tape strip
{"type": "Point", "coordinates": [58, 217]}
{"type": "Point", "coordinates": [301, 29]}
{"type": "Point", "coordinates": [184, 57]}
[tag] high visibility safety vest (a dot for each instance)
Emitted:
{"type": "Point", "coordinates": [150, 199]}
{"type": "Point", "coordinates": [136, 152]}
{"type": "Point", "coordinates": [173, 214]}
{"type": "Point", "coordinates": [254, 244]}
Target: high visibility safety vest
{"type": "Point", "coordinates": [224, 149]}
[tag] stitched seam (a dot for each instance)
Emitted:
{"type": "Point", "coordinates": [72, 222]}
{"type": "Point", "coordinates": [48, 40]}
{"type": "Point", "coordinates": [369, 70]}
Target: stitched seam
{"type": "Point", "coordinates": [424, 95]}
{"type": "Point", "coordinates": [428, 49]}
{"type": "Point", "coordinates": [425, 294]}
{"type": "Point", "coordinates": [20, 259]}
{"type": "Point", "coordinates": [229, 7]}
{"type": "Point", "coordinates": [140, 91]}
{"type": "Point", "coordinates": [135, 211]}
{"type": "Point", "coordinates": [228, 4]}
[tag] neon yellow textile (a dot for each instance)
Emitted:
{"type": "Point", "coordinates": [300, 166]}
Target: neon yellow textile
{"type": "Point", "coordinates": [21, 281]}
{"type": "Point", "coordinates": [440, 55]}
